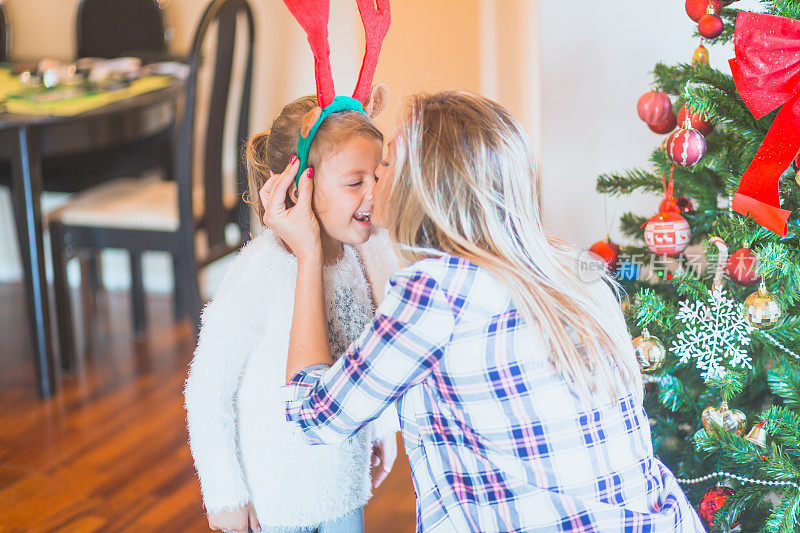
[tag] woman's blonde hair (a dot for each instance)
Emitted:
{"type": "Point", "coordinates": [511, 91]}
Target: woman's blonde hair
{"type": "Point", "coordinates": [269, 151]}
{"type": "Point", "coordinates": [465, 183]}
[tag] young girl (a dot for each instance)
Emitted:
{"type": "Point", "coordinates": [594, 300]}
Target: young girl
{"type": "Point", "coordinates": [255, 469]}
{"type": "Point", "coordinates": [519, 394]}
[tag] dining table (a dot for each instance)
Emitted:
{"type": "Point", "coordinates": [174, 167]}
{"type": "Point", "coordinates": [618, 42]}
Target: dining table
{"type": "Point", "coordinates": [89, 139]}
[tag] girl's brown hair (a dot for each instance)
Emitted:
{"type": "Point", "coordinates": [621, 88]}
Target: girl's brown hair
{"type": "Point", "coordinates": [268, 152]}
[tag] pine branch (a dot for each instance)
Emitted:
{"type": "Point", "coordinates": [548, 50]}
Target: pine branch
{"type": "Point", "coordinates": [784, 382]}
{"type": "Point", "coordinates": [675, 396]}
{"type": "Point", "coordinates": [632, 225]}
{"type": "Point", "coordinates": [783, 425]}
{"type": "Point", "coordinates": [652, 308]}
{"type": "Point", "coordinates": [783, 8]}
{"type": "Point", "coordinates": [627, 182]}
{"type": "Point", "coordinates": [731, 384]}
{"type": "Point", "coordinates": [783, 518]}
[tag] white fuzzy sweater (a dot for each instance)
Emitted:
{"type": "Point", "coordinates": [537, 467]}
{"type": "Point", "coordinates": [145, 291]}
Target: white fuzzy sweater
{"type": "Point", "coordinates": [243, 447]}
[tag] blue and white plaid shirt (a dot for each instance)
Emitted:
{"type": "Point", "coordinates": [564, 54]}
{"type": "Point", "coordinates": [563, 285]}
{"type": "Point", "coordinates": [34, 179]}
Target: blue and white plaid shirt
{"type": "Point", "coordinates": [496, 440]}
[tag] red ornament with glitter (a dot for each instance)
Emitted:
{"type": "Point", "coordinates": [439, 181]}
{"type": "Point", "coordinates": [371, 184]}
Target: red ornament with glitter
{"type": "Point", "coordinates": [743, 267]}
{"type": "Point", "coordinates": [654, 107]}
{"type": "Point", "coordinates": [712, 501]}
{"type": "Point", "coordinates": [697, 8]}
{"type": "Point", "coordinates": [686, 146]}
{"type": "Point", "coordinates": [699, 121]}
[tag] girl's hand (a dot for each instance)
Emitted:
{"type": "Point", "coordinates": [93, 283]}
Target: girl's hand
{"type": "Point", "coordinates": [383, 455]}
{"type": "Point", "coordinates": [241, 520]}
{"type": "Point", "coordinates": [297, 226]}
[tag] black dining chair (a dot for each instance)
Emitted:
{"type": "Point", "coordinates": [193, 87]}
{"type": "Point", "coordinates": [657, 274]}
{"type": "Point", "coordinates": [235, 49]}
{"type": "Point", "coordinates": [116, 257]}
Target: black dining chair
{"type": "Point", "coordinates": [116, 28]}
{"type": "Point", "coordinates": [189, 217]}
{"type": "Point", "coordinates": [5, 33]}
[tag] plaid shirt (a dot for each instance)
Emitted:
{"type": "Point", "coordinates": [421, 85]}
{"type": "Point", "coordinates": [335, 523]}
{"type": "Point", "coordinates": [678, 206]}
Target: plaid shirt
{"type": "Point", "coordinates": [496, 440]}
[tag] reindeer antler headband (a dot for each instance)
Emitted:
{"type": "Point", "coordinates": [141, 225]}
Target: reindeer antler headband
{"type": "Point", "coordinates": [313, 18]}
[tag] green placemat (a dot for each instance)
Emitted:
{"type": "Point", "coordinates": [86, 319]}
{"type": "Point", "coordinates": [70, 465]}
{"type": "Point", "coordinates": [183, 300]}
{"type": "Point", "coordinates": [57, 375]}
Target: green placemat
{"type": "Point", "coordinates": [14, 98]}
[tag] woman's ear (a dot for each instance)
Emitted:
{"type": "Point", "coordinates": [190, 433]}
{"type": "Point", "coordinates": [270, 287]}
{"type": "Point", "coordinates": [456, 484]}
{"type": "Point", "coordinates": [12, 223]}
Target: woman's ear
{"type": "Point", "coordinates": [377, 101]}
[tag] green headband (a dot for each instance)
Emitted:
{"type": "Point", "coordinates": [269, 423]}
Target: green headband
{"type": "Point", "coordinates": [340, 103]}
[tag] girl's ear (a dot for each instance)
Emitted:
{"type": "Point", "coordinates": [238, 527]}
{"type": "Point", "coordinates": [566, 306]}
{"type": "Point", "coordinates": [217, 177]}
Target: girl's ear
{"type": "Point", "coordinates": [308, 121]}
{"type": "Point", "coordinates": [377, 101]}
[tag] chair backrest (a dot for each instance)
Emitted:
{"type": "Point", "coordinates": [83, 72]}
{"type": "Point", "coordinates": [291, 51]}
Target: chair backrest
{"type": "Point", "coordinates": [115, 28]}
{"type": "Point", "coordinates": [223, 51]}
{"type": "Point", "coordinates": [5, 33]}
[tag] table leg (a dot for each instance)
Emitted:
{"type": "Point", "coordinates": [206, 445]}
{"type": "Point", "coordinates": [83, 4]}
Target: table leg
{"type": "Point", "coordinates": [26, 191]}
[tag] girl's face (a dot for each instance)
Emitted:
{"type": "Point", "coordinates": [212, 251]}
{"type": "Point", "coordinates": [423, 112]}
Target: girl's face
{"type": "Point", "coordinates": [343, 190]}
{"type": "Point", "coordinates": [384, 176]}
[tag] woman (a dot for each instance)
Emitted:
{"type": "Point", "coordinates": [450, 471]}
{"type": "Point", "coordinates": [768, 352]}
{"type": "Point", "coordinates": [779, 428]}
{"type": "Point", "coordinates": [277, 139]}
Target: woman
{"type": "Point", "coordinates": [518, 392]}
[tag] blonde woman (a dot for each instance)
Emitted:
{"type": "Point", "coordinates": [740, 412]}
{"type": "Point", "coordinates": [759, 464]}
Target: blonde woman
{"type": "Point", "coordinates": [518, 392]}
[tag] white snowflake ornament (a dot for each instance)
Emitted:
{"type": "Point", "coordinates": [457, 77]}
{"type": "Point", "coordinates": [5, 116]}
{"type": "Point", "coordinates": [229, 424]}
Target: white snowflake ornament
{"type": "Point", "coordinates": [716, 334]}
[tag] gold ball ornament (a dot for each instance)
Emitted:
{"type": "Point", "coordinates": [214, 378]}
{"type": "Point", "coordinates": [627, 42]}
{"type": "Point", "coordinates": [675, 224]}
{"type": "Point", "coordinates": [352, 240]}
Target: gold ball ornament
{"type": "Point", "coordinates": [797, 177]}
{"type": "Point", "coordinates": [761, 309]}
{"type": "Point", "coordinates": [650, 353]}
{"type": "Point", "coordinates": [731, 420]}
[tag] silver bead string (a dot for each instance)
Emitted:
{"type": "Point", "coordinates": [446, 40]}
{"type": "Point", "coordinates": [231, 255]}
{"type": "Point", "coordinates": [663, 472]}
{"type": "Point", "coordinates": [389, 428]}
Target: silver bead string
{"type": "Point", "coordinates": [744, 479]}
{"type": "Point", "coordinates": [777, 343]}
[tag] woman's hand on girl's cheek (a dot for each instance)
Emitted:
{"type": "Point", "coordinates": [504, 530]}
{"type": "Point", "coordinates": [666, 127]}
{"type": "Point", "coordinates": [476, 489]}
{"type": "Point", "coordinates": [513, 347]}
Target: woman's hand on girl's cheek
{"type": "Point", "coordinates": [384, 453]}
{"type": "Point", "coordinates": [297, 226]}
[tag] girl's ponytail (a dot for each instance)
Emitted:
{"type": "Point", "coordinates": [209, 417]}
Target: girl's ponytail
{"type": "Point", "coordinates": [258, 170]}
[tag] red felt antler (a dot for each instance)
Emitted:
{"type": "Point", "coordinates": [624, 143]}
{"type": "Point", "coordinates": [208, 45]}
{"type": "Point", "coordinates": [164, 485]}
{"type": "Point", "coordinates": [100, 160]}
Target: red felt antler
{"type": "Point", "coordinates": [313, 18]}
{"type": "Point", "coordinates": [376, 18]}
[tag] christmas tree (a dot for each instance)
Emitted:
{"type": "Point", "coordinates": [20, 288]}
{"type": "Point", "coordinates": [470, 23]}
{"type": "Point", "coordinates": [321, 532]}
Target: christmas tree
{"type": "Point", "coordinates": [716, 324]}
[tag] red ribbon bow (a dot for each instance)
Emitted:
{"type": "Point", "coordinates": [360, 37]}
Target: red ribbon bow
{"type": "Point", "coordinates": [766, 71]}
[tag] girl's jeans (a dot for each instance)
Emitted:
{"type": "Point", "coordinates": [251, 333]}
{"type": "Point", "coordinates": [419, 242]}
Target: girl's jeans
{"type": "Point", "coordinates": [352, 522]}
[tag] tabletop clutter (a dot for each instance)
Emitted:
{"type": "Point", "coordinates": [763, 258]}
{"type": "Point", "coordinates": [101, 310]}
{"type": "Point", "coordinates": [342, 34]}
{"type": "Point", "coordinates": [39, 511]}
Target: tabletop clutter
{"type": "Point", "coordinates": [52, 87]}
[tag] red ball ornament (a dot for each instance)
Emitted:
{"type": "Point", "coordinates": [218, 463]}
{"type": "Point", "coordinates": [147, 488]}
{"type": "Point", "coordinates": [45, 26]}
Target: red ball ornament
{"type": "Point", "coordinates": [743, 267]}
{"type": "Point", "coordinates": [686, 146]}
{"type": "Point", "coordinates": [710, 26]}
{"type": "Point", "coordinates": [697, 8]}
{"type": "Point", "coordinates": [667, 234]}
{"type": "Point", "coordinates": [712, 501]}
{"type": "Point", "coordinates": [654, 107]}
{"type": "Point", "coordinates": [699, 121]}
{"type": "Point", "coordinates": [666, 126]}
{"type": "Point", "coordinates": [608, 252]}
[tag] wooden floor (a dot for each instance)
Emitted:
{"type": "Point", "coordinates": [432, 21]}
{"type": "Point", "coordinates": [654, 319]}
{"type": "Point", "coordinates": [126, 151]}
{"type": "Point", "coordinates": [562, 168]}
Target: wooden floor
{"type": "Point", "coordinates": [109, 451]}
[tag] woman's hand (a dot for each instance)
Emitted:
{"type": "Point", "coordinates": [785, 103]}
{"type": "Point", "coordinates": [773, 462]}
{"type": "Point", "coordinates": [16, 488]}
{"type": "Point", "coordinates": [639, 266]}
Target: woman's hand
{"type": "Point", "coordinates": [384, 453]}
{"type": "Point", "coordinates": [297, 226]}
{"type": "Point", "coordinates": [241, 520]}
